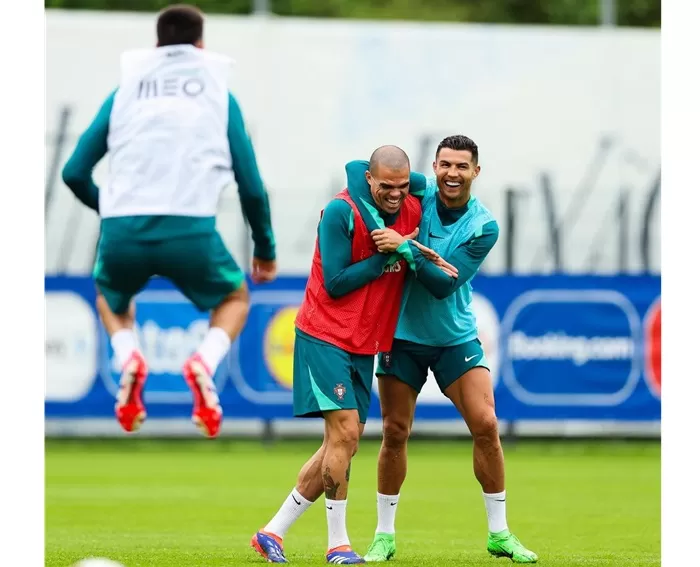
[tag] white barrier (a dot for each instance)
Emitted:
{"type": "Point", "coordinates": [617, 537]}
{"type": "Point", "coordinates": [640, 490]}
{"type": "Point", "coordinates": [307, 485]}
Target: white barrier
{"type": "Point", "coordinates": [572, 109]}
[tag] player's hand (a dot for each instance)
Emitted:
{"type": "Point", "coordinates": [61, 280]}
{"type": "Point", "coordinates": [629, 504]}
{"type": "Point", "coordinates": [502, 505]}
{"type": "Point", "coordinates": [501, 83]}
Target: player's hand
{"type": "Point", "coordinates": [436, 259]}
{"type": "Point", "coordinates": [263, 270]}
{"type": "Point", "coordinates": [388, 240]}
{"type": "Point", "coordinates": [447, 268]}
{"type": "Point", "coordinates": [429, 253]}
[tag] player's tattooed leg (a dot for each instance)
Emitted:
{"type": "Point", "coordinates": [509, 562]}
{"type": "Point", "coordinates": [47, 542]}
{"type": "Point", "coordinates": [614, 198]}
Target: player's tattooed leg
{"type": "Point", "coordinates": [330, 487]}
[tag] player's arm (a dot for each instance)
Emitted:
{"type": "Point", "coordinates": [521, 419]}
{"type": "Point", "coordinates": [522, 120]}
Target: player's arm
{"type": "Point", "coordinates": [467, 258]}
{"type": "Point", "coordinates": [335, 232]}
{"type": "Point", "coordinates": [254, 200]}
{"type": "Point", "coordinates": [417, 181]}
{"type": "Point", "coordinates": [91, 148]}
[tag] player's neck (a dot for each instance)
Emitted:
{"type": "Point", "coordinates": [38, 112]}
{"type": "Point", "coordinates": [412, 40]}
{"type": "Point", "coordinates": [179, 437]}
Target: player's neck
{"type": "Point", "coordinates": [456, 203]}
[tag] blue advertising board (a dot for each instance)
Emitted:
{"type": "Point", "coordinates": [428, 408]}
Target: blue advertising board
{"type": "Point", "coordinates": [561, 347]}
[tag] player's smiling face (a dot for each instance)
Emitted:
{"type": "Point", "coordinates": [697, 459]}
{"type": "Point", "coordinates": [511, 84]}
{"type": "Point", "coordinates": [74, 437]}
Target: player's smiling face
{"type": "Point", "coordinates": [389, 187]}
{"type": "Point", "coordinates": [455, 170]}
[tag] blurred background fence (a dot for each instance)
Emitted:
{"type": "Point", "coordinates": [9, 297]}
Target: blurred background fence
{"type": "Point", "coordinates": [562, 98]}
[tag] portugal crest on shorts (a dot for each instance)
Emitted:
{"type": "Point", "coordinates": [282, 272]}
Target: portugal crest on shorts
{"type": "Point", "coordinates": [339, 391]}
{"type": "Point", "coordinates": [386, 359]}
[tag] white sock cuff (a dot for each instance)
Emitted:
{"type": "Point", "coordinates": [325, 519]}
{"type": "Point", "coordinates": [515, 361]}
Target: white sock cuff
{"type": "Point", "coordinates": [123, 333]}
{"type": "Point", "coordinates": [124, 343]}
{"type": "Point", "coordinates": [220, 335]}
{"type": "Point", "coordinates": [296, 494]}
{"type": "Point", "coordinates": [214, 348]}
{"type": "Point", "coordinates": [387, 497]}
{"type": "Point", "coordinates": [496, 495]}
{"type": "Point", "coordinates": [336, 502]}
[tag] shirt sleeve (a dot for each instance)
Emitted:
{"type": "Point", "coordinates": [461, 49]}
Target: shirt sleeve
{"type": "Point", "coordinates": [467, 258]}
{"type": "Point", "coordinates": [253, 196]}
{"type": "Point", "coordinates": [91, 148]}
{"type": "Point", "coordinates": [335, 233]}
{"type": "Point", "coordinates": [417, 185]}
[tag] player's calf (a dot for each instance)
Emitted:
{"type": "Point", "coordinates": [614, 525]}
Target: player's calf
{"type": "Point", "coordinates": [227, 320]}
{"type": "Point", "coordinates": [342, 438]}
{"type": "Point", "coordinates": [398, 402]}
{"type": "Point", "coordinates": [129, 407]}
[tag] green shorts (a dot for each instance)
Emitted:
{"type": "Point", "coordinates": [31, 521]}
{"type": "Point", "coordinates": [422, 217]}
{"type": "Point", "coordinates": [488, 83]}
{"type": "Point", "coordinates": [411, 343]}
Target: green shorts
{"type": "Point", "coordinates": [200, 266]}
{"type": "Point", "coordinates": [409, 362]}
{"type": "Point", "coordinates": [327, 378]}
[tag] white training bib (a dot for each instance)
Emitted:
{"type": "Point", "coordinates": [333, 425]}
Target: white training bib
{"type": "Point", "coordinates": [168, 144]}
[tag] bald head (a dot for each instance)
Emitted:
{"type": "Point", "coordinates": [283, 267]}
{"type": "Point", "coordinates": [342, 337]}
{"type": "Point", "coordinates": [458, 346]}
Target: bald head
{"type": "Point", "coordinates": [389, 177]}
{"type": "Point", "coordinates": [389, 157]}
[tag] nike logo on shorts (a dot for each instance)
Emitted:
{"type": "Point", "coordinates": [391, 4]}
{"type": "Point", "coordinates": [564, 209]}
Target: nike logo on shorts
{"type": "Point", "coordinates": [468, 359]}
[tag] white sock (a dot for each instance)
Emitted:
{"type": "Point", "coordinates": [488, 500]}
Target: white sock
{"type": "Point", "coordinates": [337, 530]}
{"type": "Point", "coordinates": [214, 348]}
{"type": "Point", "coordinates": [124, 344]}
{"type": "Point", "coordinates": [496, 511]}
{"type": "Point", "coordinates": [386, 513]}
{"type": "Point", "coordinates": [290, 511]}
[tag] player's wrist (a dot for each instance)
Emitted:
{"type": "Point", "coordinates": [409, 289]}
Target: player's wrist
{"type": "Point", "coordinates": [266, 253]}
{"type": "Point", "coordinates": [404, 249]}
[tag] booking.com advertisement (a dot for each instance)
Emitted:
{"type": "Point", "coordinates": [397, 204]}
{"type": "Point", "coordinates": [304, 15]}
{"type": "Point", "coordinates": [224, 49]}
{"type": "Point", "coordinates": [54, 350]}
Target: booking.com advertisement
{"type": "Point", "coordinates": [560, 348]}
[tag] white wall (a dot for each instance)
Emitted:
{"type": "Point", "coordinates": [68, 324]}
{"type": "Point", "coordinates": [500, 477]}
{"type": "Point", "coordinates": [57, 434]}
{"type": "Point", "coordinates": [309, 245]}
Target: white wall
{"type": "Point", "coordinates": [316, 94]}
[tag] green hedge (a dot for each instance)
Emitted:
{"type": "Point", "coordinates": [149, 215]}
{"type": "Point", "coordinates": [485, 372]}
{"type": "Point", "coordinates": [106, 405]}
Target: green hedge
{"type": "Point", "coordinates": [645, 13]}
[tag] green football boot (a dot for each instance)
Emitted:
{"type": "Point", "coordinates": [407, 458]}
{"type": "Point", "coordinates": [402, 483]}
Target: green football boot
{"type": "Point", "coordinates": [505, 544]}
{"type": "Point", "coordinates": [382, 548]}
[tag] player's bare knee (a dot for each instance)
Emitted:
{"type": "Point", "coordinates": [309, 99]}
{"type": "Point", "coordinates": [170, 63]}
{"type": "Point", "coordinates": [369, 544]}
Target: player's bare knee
{"type": "Point", "coordinates": [101, 303]}
{"type": "Point", "coordinates": [240, 297]}
{"type": "Point", "coordinates": [232, 310]}
{"type": "Point", "coordinates": [349, 437]}
{"type": "Point", "coordinates": [395, 432]}
{"type": "Point", "coordinates": [360, 431]}
{"type": "Point", "coordinates": [344, 431]}
{"type": "Point", "coordinates": [485, 429]}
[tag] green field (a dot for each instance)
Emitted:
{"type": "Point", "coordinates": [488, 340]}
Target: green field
{"type": "Point", "coordinates": [197, 503]}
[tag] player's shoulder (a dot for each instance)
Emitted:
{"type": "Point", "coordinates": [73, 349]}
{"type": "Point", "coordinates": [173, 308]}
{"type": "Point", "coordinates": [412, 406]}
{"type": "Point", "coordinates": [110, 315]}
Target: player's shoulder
{"type": "Point", "coordinates": [484, 213]}
{"type": "Point", "coordinates": [337, 208]}
{"type": "Point", "coordinates": [337, 216]}
{"type": "Point", "coordinates": [431, 186]}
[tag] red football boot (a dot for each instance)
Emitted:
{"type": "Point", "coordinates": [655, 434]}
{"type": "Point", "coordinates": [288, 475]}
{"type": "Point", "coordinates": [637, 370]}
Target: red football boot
{"type": "Point", "coordinates": [129, 408]}
{"type": "Point", "coordinates": [207, 413]}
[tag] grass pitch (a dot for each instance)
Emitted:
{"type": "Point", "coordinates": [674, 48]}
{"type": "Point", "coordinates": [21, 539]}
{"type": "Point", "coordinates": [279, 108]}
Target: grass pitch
{"type": "Point", "coordinates": [196, 503]}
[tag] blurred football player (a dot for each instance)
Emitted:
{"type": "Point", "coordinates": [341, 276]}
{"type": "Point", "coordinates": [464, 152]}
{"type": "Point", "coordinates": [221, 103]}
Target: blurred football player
{"type": "Point", "coordinates": [175, 138]}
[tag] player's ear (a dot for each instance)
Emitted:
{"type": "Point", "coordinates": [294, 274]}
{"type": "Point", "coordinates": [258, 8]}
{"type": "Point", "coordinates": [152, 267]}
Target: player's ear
{"type": "Point", "coordinates": [435, 167]}
{"type": "Point", "coordinates": [199, 44]}
{"type": "Point", "coordinates": [477, 170]}
{"type": "Point", "coordinates": [368, 177]}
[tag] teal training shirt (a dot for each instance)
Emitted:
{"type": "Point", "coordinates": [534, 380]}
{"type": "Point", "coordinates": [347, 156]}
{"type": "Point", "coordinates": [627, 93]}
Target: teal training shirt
{"type": "Point", "coordinates": [92, 147]}
{"type": "Point", "coordinates": [436, 308]}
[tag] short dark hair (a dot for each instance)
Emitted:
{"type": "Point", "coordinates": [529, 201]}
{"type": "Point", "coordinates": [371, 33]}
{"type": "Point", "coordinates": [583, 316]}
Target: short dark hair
{"type": "Point", "coordinates": [392, 157]}
{"type": "Point", "coordinates": [180, 24]}
{"type": "Point", "coordinates": [460, 143]}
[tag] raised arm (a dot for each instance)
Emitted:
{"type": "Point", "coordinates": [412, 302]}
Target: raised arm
{"type": "Point", "coordinates": [91, 148]}
{"type": "Point", "coordinates": [416, 187]}
{"type": "Point", "coordinates": [467, 258]}
{"type": "Point", "coordinates": [254, 200]}
{"type": "Point", "coordinates": [335, 232]}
